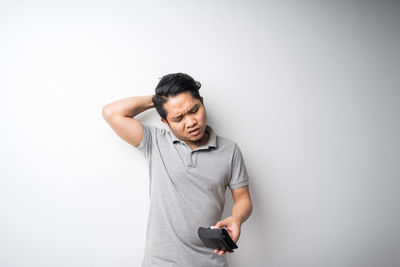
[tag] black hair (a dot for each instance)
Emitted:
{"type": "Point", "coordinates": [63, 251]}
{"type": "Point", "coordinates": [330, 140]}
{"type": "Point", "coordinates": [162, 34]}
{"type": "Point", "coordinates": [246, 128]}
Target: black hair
{"type": "Point", "coordinates": [172, 85]}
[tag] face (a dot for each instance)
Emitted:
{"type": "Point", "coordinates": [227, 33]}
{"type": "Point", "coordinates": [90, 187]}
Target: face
{"type": "Point", "coordinates": [185, 114]}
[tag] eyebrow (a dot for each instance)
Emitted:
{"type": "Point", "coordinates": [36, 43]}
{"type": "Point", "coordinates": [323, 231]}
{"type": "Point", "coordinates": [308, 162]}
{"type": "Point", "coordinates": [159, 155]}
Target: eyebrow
{"type": "Point", "coordinates": [181, 115]}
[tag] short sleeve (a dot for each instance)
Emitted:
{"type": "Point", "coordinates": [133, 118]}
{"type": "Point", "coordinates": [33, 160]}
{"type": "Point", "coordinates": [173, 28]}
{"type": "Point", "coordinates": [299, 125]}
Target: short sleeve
{"type": "Point", "coordinates": [146, 144]}
{"type": "Point", "coordinates": [239, 176]}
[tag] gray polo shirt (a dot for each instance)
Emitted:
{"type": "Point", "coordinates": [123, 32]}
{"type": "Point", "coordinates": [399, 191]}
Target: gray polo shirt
{"type": "Point", "coordinates": [187, 190]}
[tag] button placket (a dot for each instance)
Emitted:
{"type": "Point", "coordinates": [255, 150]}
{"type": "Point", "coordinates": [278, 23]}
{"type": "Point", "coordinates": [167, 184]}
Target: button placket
{"type": "Point", "coordinates": [194, 158]}
{"type": "Point", "coordinates": [188, 155]}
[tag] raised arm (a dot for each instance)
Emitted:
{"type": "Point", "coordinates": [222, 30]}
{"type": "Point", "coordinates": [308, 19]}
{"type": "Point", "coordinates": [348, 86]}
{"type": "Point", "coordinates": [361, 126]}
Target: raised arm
{"type": "Point", "coordinates": [119, 115]}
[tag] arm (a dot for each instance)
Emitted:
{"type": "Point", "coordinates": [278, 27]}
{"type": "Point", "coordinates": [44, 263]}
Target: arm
{"type": "Point", "coordinates": [241, 211]}
{"type": "Point", "coordinates": [242, 207]}
{"type": "Point", "coordinates": [119, 115]}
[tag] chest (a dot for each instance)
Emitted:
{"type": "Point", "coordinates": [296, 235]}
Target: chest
{"type": "Point", "coordinates": [209, 168]}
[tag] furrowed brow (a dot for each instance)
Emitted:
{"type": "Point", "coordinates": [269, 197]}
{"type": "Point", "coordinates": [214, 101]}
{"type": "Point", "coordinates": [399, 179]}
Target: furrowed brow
{"type": "Point", "coordinates": [193, 108]}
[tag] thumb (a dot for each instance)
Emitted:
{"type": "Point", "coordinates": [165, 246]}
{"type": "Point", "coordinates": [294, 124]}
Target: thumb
{"type": "Point", "coordinates": [220, 224]}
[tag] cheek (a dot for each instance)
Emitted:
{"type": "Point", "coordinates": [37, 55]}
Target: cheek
{"type": "Point", "coordinates": [182, 128]}
{"type": "Point", "coordinates": [178, 128]}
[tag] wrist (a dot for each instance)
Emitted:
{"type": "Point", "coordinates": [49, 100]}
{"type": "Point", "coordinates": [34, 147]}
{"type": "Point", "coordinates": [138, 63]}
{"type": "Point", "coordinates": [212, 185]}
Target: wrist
{"type": "Point", "coordinates": [238, 218]}
{"type": "Point", "coordinates": [150, 103]}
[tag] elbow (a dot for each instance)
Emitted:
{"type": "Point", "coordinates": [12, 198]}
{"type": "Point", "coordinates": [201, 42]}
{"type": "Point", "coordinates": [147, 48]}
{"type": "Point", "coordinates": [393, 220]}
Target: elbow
{"type": "Point", "coordinates": [250, 206]}
{"type": "Point", "coordinates": [106, 112]}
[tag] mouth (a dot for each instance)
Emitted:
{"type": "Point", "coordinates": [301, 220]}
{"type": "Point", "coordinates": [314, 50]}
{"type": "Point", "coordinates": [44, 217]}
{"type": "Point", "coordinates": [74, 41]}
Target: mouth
{"type": "Point", "coordinates": [195, 131]}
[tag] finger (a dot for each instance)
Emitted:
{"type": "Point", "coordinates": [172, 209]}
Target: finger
{"type": "Point", "coordinates": [221, 252]}
{"type": "Point", "coordinates": [220, 224]}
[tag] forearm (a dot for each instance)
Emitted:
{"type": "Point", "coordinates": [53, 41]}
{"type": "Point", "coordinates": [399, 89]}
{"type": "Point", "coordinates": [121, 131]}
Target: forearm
{"type": "Point", "coordinates": [130, 106]}
{"type": "Point", "coordinates": [242, 209]}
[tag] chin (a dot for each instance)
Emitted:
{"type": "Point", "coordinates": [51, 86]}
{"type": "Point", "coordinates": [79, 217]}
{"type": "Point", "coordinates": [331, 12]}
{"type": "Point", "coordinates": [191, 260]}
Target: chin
{"type": "Point", "coordinates": [197, 138]}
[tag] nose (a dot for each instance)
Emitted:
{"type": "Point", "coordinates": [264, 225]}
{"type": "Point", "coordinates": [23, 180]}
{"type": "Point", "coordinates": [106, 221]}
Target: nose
{"type": "Point", "coordinates": [190, 122]}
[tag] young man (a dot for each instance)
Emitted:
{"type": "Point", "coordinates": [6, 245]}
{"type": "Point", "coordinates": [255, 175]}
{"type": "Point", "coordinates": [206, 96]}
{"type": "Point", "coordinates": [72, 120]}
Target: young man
{"type": "Point", "coordinates": [190, 167]}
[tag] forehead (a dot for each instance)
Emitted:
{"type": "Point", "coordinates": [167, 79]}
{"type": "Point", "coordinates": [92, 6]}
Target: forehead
{"type": "Point", "coordinates": [180, 103]}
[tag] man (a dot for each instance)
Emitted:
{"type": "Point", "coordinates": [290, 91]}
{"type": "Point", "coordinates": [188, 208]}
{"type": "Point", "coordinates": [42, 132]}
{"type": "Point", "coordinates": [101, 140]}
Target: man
{"type": "Point", "coordinates": [190, 167]}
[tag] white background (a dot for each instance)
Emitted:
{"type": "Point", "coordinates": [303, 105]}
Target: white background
{"type": "Point", "coordinates": [309, 91]}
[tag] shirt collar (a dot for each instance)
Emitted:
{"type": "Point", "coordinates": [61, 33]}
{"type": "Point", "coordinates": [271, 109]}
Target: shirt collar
{"type": "Point", "coordinates": [212, 141]}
